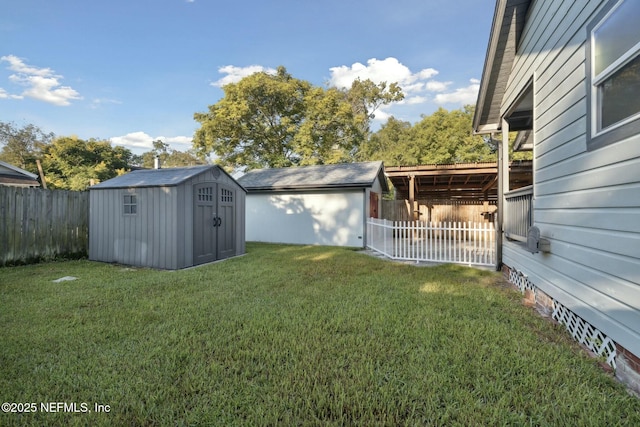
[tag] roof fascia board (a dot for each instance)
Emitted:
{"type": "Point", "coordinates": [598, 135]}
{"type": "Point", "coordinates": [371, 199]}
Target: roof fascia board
{"type": "Point", "coordinates": [18, 170]}
{"type": "Point", "coordinates": [306, 187]}
{"type": "Point", "coordinates": [499, 20]}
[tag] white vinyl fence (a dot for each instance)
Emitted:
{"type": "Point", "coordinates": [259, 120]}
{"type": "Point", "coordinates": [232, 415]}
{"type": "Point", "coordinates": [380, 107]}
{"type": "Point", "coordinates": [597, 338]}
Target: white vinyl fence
{"type": "Point", "coordinates": [447, 242]}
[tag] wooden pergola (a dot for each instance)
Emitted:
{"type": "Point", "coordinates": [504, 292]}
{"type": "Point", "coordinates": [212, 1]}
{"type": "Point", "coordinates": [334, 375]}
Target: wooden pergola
{"type": "Point", "coordinates": [457, 182]}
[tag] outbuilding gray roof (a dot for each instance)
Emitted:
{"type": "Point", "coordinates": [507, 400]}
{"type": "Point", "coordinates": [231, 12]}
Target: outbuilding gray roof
{"type": "Point", "coordinates": [153, 177]}
{"type": "Point", "coordinates": [315, 177]}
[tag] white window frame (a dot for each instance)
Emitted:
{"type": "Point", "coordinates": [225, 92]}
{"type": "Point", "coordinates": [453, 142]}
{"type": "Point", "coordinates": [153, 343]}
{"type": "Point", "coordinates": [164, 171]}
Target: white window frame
{"type": "Point", "coordinates": [133, 202]}
{"type": "Point", "coordinates": [598, 136]}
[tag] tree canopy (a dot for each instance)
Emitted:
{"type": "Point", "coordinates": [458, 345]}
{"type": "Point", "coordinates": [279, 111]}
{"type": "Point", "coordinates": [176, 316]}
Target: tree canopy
{"type": "Point", "coordinates": [21, 146]}
{"type": "Point", "coordinates": [268, 120]}
{"type": "Point", "coordinates": [168, 157]}
{"type": "Point", "coordinates": [444, 137]}
{"type": "Point", "coordinates": [71, 163]}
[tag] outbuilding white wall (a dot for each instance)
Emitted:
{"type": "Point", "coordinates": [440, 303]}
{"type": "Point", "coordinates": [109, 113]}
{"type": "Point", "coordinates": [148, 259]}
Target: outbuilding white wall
{"type": "Point", "coordinates": [334, 218]}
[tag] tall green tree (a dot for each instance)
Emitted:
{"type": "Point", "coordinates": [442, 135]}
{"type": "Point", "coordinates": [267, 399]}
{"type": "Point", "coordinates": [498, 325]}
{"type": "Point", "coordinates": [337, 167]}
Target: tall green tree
{"type": "Point", "coordinates": [71, 163]}
{"type": "Point", "coordinates": [390, 144]}
{"type": "Point", "coordinates": [22, 146]}
{"type": "Point", "coordinates": [329, 132]}
{"type": "Point", "coordinates": [169, 157]}
{"type": "Point", "coordinates": [255, 123]}
{"type": "Point", "coordinates": [277, 120]}
{"type": "Point", "coordinates": [446, 137]}
{"type": "Point", "coordinates": [366, 97]}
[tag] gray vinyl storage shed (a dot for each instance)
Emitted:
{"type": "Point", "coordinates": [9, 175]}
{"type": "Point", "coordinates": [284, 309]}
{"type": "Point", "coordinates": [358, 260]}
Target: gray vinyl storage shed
{"type": "Point", "coordinates": [167, 218]}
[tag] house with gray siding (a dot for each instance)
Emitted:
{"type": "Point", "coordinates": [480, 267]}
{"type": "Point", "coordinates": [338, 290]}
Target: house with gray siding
{"type": "Point", "coordinates": [13, 176]}
{"type": "Point", "coordinates": [565, 75]}
{"type": "Point", "coordinates": [313, 205]}
{"type": "Point", "coordinates": [167, 218]}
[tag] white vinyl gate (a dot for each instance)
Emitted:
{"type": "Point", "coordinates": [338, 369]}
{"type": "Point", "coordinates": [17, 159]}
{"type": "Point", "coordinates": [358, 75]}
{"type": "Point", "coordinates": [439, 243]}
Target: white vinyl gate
{"type": "Point", "coordinates": [447, 242]}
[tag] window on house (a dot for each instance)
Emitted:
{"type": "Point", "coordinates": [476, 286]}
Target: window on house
{"type": "Point", "coordinates": [614, 73]}
{"type": "Point", "coordinates": [130, 204]}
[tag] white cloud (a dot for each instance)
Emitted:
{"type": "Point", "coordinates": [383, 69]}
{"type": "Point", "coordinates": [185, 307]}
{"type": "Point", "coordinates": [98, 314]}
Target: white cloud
{"type": "Point", "coordinates": [183, 142]}
{"type": "Point", "coordinates": [41, 83]}
{"type": "Point", "coordinates": [417, 86]}
{"type": "Point", "coordinates": [435, 86]}
{"type": "Point", "coordinates": [5, 95]}
{"type": "Point", "coordinates": [381, 115]}
{"type": "Point", "coordinates": [388, 70]}
{"type": "Point", "coordinates": [98, 102]}
{"type": "Point", "coordinates": [427, 73]}
{"type": "Point", "coordinates": [415, 100]}
{"type": "Point", "coordinates": [235, 74]}
{"type": "Point", "coordinates": [16, 64]}
{"type": "Point", "coordinates": [134, 140]}
{"type": "Point", "coordinates": [141, 141]}
{"type": "Point", "coordinates": [464, 95]}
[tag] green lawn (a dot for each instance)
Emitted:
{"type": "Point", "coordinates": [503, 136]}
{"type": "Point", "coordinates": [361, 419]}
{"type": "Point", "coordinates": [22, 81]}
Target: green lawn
{"type": "Point", "coordinates": [292, 336]}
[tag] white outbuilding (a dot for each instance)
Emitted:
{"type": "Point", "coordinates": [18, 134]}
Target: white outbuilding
{"type": "Point", "coordinates": [313, 205]}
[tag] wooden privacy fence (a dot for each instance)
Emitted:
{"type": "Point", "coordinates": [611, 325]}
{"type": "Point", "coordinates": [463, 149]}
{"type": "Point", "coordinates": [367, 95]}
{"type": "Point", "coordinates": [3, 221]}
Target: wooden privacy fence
{"type": "Point", "coordinates": [439, 210]}
{"type": "Point", "coordinates": [42, 224]}
{"type": "Point", "coordinates": [448, 242]}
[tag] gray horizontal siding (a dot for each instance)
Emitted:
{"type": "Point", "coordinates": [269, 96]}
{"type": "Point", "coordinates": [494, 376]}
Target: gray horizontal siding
{"type": "Point", "coordinates": [609, 303]}
{"type": "Point", "coordinates": [608, 175]}
{"type": "Point", "coordinates": [619, 153]}
{"type": "Point", "coordinates": [545, 43]}
{"type": "Point", "coordinates": [622, 196]}
{"type": "Point", "coordinates": [586, 203]}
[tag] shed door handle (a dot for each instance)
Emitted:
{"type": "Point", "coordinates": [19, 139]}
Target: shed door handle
{"type": "Point", "coordinates": [219, 222]}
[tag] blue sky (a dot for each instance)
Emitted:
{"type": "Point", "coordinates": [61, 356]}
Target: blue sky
{"type": "Point", "coordinates": [133, 71]}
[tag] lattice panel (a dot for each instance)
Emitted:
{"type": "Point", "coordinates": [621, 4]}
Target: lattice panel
{"type": "Point", "coordinates": [585, 333]}
{"type": "Point", "coordinates": [521, 281]}
{"type": "Point", "coordinates": [581, 330]}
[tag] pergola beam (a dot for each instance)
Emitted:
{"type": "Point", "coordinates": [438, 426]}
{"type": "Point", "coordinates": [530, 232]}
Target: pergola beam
{"type": "Point", "coordinates": [464, 180]}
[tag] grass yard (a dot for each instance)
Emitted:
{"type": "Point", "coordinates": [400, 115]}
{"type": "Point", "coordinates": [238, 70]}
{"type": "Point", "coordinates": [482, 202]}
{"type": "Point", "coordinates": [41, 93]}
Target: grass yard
{"type": "Point", "coordinates": [292, 336]}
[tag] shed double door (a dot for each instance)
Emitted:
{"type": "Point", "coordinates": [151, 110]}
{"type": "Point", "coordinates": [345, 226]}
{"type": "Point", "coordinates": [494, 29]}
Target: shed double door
{"type": "Point", "coordinates": [213, 222]}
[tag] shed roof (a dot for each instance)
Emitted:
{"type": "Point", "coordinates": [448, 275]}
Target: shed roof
{"type": "Point", "coordinates": [342, 175]}
{"type": "Point", "coordinates": [154, 177]}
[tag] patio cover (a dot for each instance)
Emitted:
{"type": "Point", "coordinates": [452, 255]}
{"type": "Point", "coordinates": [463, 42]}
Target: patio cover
{"type": "Point", "coordinates": [462, 181]}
